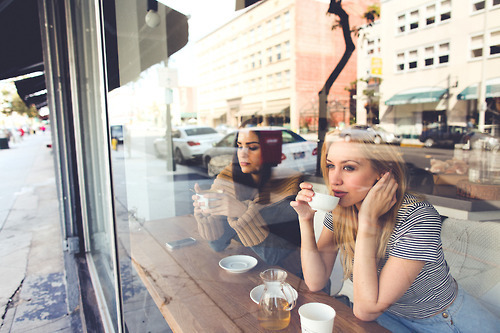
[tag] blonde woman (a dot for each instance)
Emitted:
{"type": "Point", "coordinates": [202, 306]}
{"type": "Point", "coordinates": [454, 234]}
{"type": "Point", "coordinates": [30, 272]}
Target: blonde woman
{"type": "Point", "coordinates": [389, 241]}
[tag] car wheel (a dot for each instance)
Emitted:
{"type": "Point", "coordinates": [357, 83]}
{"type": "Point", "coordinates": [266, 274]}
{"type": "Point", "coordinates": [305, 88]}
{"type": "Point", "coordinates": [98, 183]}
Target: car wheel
{"type": "Point", "coordinates": [377, 140]}
{"type": "Point", "coordinates": [179, 158]}
{"type": "Point", "coordinates": [206, 161]}
{"type": "Point", "coordinates": [429, 143]}
{"type": "Point", "coordinates": [347, 138]}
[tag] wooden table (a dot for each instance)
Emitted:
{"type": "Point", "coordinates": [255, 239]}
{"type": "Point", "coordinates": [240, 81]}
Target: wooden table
{"type": "Point", "coordinates": [195, 295]}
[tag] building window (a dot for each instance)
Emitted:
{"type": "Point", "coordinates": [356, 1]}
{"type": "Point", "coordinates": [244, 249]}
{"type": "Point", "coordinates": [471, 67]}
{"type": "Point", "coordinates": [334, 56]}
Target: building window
{"type": "Point", "coordinates": [429, 56]}
{"type": "Point", "coordinates": [478, 5]}
{"type": "Point", "coordinates": [252, 37]}
{"type": "Point", "coordinates": [259, 58]}
{"type": "Point", "coordinates": [400, 62]}
{"type": "Point", "coordinates": [445, 10]}
{"type": "Point", "coordinates": [444, 53]}
{"type": "Point", "coordinates": [476, 46]}
{"type": "Point", "coordinates": [430, 15]}
{"type": "Point", "coordinates": [270, 82]}
{"type": "Point", "coordinates": [287, 49]}
{"type": "Point", "coordinates": [413, 59]}
{"type": "Point", "coordinates": [494, 43]}
{"type": "Point", "coordinates": [401, 23]}
{"type": "Point", "coordinates": [287, 78]}
{"type": "Point", "coordinates": [278, 52]}
{"type": "Point", "coordinates": [370, 46]}
{"type": "Point", "coordinates": [259, 33]}
{"type": "Point", "coordinates": [286, 19]}
{"type": "Point", "coordinates": [269, 30]}
{"type": "Point", "coordinates": [414, 17]}
{"type": "Point", "coordinates": [269, 55]}
{"type": "Point", "coordinates": [277, 24]}
{"type": "Point", "coordinates": [253, 60]}
{"type": "Point", "coordinates": [279, 82]}
{"type": "Point", "coordinates": [495, 3]}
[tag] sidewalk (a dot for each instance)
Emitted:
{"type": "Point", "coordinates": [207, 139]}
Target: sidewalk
{"type": "Point", "coordinates": [32, 283]}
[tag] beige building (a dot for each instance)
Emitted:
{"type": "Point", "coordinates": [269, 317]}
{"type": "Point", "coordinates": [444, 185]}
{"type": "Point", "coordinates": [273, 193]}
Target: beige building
{"type": "Point", "coordinates": [440, 58]}
{"type": "Point", "coordinates": [270, 62]}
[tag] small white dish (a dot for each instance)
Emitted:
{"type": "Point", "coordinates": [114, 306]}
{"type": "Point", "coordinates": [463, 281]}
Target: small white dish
{"type": "Point", "coordinates": [256, 293]}
{"type": "Point", "coordinates": [238, 263]}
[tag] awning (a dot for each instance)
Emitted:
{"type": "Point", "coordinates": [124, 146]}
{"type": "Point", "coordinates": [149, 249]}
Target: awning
{"type": "Point", "coordinates": [418, 95]}
{"type": "Point", "coordinates": [248, 110]}
{"type": "Point", "coordinates": [188, 114]}
{"type": "Point", "coordinates": [276, 110]}
{"type": "Point", "coordinates": [492, 90]}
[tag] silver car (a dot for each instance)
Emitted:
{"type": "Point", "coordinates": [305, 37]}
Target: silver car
{"type": "Point", "coordinates": [375, 133]}
{"type": "Point", "coordinates": [297, 153]}
{"type": "Point", "coordinates": [189, 142]}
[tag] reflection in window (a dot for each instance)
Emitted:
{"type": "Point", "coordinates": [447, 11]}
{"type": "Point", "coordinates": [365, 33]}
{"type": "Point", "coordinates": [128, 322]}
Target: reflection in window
{"type": "Point", "coordinates": [495, 43]}
{"type": "Point", "coordinates": [478, 6]}
{"type": "Point", "coordinates": [429, 56]}
{"type": "Point", "coordinates": [476, 46]}
{"type": "Point", "coordinates": [413, 56]}
{"type": "Point", "coordinates": [414, 17]}
{"type": "Point", "coordinates": [445, 10]}
{"type": "Point", "coordinates": [444, 51]}
{"type": "Point", "coordinates": [401, 23]}
{"type": "Point", "coordinates": [286, 19]}
{"type": "Point", "coordinates": [277, 24]}
{"type": "Point", "coordinates": [400, 62]}
{"type": "Point", "coordinates": [431, 15]}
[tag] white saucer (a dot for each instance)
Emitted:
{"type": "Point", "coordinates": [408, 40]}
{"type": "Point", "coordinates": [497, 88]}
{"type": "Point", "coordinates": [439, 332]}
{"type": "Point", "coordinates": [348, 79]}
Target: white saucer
{"type": "Point", "coordinates": [238, 263]}
{"type": "Point", "coordinates": [256, 293]}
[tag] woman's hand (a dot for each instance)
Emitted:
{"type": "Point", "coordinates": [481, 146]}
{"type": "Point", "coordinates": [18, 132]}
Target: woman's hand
{"type": "Point", "coordinates": [380, 198]}
{"type": "Point", "coordinates": [224, 204]}
{"type": "Point", "coordinates": [198, 206]}
{"type": "Point", "coordinates": [301, 203]}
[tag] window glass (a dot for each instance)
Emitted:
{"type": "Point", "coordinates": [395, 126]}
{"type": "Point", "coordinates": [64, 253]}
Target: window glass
{"type": "Point", "coordinates": [183, 97]}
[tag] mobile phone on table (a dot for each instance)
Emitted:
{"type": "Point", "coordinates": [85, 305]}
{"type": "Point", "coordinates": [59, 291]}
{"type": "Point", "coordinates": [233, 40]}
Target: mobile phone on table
{"type": "Point", "coordinates": [180, 243]}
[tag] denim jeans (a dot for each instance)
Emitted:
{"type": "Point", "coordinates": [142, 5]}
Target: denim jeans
{"type": "Point", "coordinates": [464, 315]}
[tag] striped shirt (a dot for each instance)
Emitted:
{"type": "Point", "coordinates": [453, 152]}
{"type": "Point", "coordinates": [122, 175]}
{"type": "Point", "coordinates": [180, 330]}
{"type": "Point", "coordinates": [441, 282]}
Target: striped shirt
{"type": "Point", "coordinates": [417, 236]}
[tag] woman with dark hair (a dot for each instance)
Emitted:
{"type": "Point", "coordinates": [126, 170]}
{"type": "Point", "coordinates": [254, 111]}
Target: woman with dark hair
{"type": "Point", "coordinates": [250, 202]}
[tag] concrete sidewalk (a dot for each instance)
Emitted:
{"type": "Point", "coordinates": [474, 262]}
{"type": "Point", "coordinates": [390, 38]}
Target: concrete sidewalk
{"type": "Point", "coordinates": [32, 280]}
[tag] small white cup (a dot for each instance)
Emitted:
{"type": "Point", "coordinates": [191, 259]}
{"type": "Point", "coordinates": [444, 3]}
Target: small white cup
{"type": "Point", "coordinates": [323, 202]}
{"type": "Point", "coordinates": [316, 318]}
{"type": "Point", "coordinates": [206, 201]}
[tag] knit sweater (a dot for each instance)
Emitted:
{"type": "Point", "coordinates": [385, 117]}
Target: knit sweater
{"type": "Point", "coordinates": [251, 227]}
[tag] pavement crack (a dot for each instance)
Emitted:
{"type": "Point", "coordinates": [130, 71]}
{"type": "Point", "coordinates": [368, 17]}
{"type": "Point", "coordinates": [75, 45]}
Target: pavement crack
{"type": "Point", "coordinates": [11, 301]}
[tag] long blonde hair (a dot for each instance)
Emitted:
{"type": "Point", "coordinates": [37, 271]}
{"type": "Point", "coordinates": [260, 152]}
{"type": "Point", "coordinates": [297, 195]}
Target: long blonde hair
{"type": "Point", "coordinates": [382, 158]}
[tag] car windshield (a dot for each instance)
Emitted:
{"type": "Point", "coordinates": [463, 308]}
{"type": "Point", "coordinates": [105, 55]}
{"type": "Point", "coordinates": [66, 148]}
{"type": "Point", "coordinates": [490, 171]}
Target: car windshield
{"type": "Point", "coordinates": [200, 131]}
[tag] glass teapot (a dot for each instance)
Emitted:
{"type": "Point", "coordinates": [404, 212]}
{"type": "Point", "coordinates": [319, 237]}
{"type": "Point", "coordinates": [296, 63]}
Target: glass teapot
{"type": "Point", "coordinates": [276, 301]}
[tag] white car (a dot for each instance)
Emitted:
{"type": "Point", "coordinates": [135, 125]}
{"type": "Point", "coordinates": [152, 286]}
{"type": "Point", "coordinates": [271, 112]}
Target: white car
{"type": "Point", "coordinates": [297, 153]}
{"type": "Point", "coordinates": [189, 142]}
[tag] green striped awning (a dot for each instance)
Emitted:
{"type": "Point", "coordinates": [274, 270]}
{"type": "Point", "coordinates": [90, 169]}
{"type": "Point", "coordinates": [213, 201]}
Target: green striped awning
{"type": "Point", "coordinates": [492, 90]}
{"type": "Point", "coordinates": [188, 114]}
{"type": "Point", "coordinates": [418, 95]}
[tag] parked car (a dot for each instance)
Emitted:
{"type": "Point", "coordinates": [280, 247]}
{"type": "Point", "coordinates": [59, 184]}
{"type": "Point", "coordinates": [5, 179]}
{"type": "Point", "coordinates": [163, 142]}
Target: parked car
{"type": "Point", "coordinates": [189, 142]}
{"type": "Point", "coordinates": [297, 153]}
{"type": "Point", "coordinates": [375, 133]}
{"type": "Point", "coordinates": [475, 139]}
{"type": "Point", "coordinates": [442, 135]}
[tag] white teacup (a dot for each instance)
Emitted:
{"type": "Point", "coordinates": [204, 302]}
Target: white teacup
{"type": "Point", "coordinates": [323, 202]}
{"type": "Point", "coordinates": [202, 198]}
{"type": "Point", "coordinates": [316, 318]}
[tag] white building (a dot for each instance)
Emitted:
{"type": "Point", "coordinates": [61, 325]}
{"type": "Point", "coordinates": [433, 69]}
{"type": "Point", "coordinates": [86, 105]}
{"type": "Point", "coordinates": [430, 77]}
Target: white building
{"type": "Point", "coordinates": [438, 57]}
